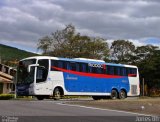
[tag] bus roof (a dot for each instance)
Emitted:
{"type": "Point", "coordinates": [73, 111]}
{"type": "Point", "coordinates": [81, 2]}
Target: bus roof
{"type": "Point", "coordinates": [121, 65]}
{"type": "Point", "coordinates": [67, 59]}
{"type": "Point", "coordinates": [83, 60]}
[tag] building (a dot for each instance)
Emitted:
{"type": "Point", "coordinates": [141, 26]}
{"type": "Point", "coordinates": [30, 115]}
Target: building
{"type": "Point", "coordinates": [6, 79]}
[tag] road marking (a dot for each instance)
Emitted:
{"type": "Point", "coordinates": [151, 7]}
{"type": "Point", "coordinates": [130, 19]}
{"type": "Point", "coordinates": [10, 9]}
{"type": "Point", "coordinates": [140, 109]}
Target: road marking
{"type": "Point", "coordinates": [138, 114]}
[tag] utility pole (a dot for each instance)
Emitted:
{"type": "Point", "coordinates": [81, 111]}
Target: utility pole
{"type": "Point", "coordinates": [143, 85]}
{"type": "Point", "coordinates": [15, 82]}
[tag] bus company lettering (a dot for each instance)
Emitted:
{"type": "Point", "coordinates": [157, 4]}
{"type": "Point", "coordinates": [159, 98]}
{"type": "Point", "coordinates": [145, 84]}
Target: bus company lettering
{"type": "Point", "coordinates": [71, 78]}
{"type": "Point", "coordinates": [95, 65]}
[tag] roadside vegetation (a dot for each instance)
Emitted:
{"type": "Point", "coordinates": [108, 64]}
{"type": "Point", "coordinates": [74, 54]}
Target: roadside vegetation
{"type": "Point", "coordinates": [6, 96]}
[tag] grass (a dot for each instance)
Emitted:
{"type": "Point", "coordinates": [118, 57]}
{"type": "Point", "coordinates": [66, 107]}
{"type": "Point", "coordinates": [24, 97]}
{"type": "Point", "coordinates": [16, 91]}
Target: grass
{"type": "Point", "coordinates": [6, 96]}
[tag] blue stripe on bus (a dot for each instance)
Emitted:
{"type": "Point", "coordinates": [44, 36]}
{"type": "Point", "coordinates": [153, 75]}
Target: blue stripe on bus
{"type": "Point", "coordinates": [77, 83]}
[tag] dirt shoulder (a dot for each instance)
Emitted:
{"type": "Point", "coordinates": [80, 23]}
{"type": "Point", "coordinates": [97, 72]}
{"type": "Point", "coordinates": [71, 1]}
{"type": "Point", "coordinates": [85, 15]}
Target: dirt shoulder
{"type": "Point", "coordinates": [149, 106]}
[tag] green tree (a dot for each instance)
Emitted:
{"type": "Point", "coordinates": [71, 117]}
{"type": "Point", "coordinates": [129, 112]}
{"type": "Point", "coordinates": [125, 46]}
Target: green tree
{"type": "Point", "coordinates": [147, 58]}
{"type": "Point", "coordinates": [44, 44]}
{"type": "Point", "coordinates": [148, 61]}
{"type": "Point", "coordinates": [121, 51]}
{"type": "Point", "coordinates": [144, 52]}
{"type": "Point", "coordinates": [149, 70]}
{"type": "Point", "coordinates": [68, 43]}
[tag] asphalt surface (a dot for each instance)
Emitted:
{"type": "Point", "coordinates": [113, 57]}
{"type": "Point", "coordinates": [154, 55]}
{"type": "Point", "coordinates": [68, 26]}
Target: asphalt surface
{"type": "Point", "coordinates": [59, 111]}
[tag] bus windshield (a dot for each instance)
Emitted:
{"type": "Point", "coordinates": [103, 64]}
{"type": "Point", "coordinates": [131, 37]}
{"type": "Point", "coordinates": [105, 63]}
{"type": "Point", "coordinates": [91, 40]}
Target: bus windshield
{"type": "Point", "coordinates": [23, 76]}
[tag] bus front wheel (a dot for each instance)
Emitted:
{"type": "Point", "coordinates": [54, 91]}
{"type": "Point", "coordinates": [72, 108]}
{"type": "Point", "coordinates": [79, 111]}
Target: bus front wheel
{"type": "Point", "coordinates": [114, 94]}
{"type": "Point", "coordinates": [56, 94]}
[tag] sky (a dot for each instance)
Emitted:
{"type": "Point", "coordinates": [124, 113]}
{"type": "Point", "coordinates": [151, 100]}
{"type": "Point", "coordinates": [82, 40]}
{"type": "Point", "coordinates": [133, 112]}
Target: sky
{"type": "Point", "coordinates": [24, 22]}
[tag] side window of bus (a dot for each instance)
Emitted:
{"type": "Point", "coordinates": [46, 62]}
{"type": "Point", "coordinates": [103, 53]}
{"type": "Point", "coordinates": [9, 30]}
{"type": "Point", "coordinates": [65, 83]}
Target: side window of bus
{"type": "Point", "coordinates": [97, 70]}
{"type": "Point", "coordinates": [83, 67]}
{"type": "Point", "coordinates": [107, 69]}
{"type": "Point", "coordinates": [123, 71]}
{"type": "Point", "coordinates": [44, 62]}
{"type": "Point", "coordinates": [110, 70]}
{"type": "Point", "coordinates": [54, 63]}
{"type": "Point", "coordinates": [65, 65]}
{"type": "Point", "coordinates": [90, 69]}
{"type": "Point", "coordinates": [117, 70]}
{"type": "Point", "coordinates": [42, 73]}
{"type": "Point", "coordinates": [77, 67]}
{"type": "Point", "coordinates": [60, 64]}
{"type": "Point", "coordinates": [73, 66]}
{"type": "Point", "coordinates": [100, 71]}
{"type": "Point", "coordinates": [132, 72]}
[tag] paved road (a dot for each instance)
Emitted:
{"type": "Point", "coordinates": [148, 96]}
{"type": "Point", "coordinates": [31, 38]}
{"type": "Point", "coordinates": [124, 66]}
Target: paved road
{"type": "Point", "coordinates": [59, 110]}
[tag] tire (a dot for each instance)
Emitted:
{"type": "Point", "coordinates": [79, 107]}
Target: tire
{"type": "Point", "coordinates": [96, 97]}
{"type": "Point", "coordinates": [56, 94]}
{"type": "Point", "coordinates": [122, 94]}
{"type": "Point", "coordinates": [40, 97]}
{"type": "Point", "coordinates": [114, 94]}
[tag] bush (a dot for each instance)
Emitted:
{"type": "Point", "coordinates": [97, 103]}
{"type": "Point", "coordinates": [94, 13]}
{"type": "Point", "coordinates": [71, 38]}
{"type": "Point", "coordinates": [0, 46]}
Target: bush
{"type": "Point", "coordinates": [6, 96]}
{"type": "Point", "coordinates": [24, 97]}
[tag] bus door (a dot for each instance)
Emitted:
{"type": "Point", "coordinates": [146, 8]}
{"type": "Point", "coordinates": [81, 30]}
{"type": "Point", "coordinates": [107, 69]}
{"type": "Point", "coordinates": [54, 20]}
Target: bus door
{"type": "Point", "coordinates": [42, 86]}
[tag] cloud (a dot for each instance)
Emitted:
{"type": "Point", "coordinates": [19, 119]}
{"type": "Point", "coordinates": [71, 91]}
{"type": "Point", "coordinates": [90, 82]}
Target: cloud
{"type": "Point", "coordinates": [25, 21]}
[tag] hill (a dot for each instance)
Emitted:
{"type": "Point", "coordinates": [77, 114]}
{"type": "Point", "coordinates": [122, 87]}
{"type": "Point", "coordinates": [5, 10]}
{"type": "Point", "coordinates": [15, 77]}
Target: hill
{"type": "Point", "coordinates": [10, 55]}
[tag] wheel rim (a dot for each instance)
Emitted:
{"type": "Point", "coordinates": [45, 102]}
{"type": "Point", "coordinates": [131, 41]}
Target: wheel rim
{"type": "Point", "coordinates": [114, 94]}
{"type": "Point", "coordinates": [122, 95]}
{"type": "Point", "coordinates": [57, 94]}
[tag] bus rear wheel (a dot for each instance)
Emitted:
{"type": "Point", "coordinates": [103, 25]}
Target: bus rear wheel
{"type": "Point", "coordinates": [114, 94]}
{"type": "Point", "coordinates": [57, 94]}
{"type": "Point", "coordinates": [122, 94]}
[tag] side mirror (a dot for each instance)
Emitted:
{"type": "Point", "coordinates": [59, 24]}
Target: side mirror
{"type": "Point", "coordinates": [32, 65]}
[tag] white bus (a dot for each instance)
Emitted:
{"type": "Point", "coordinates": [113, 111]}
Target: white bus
{"type": "Point", "coordinates": [44, 76]}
